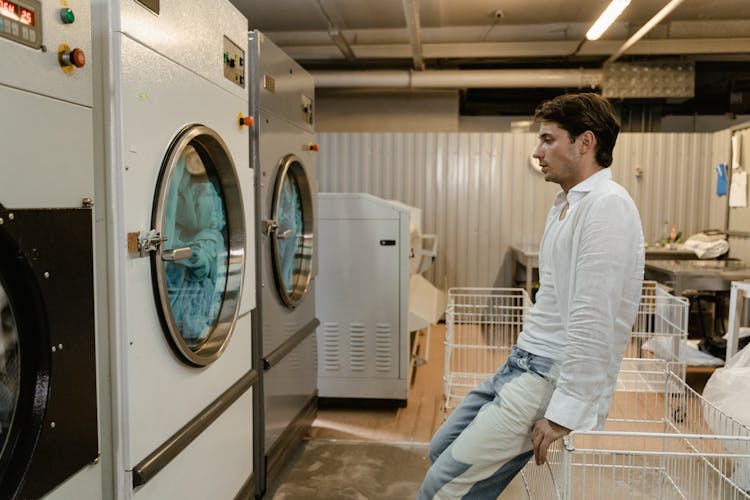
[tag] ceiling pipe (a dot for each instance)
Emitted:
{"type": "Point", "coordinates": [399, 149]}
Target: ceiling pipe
{"type": "Point", "coordinates": [664, 12]}
{"type": "Point", "coordinates": [457, 79]}
{"type": "Point", "coordinates": [411, 13]}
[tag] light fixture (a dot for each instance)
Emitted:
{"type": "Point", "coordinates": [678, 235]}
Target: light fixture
{"type": "Point", "coordinates": [607, 18]}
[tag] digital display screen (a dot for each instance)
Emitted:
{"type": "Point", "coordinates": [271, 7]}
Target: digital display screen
{"type": "Point", "coordinates": [26, 16]}
{"type": "Point", "coordinates": [15, 11]}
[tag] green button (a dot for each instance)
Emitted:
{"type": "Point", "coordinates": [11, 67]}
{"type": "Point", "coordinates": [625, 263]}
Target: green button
{"type": "Point", "coordinates": [67, 16]}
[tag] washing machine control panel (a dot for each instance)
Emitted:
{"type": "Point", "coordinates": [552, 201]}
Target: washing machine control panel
{"type": "Point", "coordinates": [22, 22]}
{"type": "Point", "coordinates": [234, 62]}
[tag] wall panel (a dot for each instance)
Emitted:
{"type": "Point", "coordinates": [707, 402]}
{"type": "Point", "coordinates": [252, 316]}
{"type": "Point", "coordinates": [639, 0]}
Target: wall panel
{"type": "Point", "coordinates": [479, 194]}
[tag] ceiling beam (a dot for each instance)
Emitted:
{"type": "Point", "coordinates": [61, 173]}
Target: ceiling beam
{"type": "Point", "coordinates": [507, 50]}
{"type": "Point", "coordinates": [411, 13]}
{"type": "Point", "coordinates": [341, 43]}
{"type": "Point", "coordinates": [338, 39]}
{"type": "Point", "coordinates": [664, 12]}
{"type": "Point", "coordinates": [555, 32]}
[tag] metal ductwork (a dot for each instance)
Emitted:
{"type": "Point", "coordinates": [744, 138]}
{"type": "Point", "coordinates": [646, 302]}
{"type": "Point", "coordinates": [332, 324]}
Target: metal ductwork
{"type": "Point", "coordinates": [457, 79]}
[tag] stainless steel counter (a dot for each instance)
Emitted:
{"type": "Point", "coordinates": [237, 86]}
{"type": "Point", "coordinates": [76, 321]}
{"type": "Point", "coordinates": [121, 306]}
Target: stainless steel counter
{"type": "Point", "coordinates": [527, 257]}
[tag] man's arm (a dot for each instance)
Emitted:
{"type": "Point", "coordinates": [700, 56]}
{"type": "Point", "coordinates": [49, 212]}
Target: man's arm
{"type": "Point", "coordinates": [603, 264]}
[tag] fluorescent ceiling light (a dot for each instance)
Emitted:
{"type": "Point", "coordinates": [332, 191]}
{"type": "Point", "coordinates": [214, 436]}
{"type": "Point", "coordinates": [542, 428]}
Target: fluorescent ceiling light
{"type": "Point", "coordinates": [607, 18]}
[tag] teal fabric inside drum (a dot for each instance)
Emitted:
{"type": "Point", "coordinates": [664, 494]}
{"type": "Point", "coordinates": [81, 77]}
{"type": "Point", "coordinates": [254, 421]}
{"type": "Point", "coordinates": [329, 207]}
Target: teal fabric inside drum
{"type": "Point", "coordinates": [290, 230]}
{"type": "Point", "coordinates": [195, 217]}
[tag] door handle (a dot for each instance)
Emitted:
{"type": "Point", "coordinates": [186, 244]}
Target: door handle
{"type": "Point", "coordinates": [177, 254]}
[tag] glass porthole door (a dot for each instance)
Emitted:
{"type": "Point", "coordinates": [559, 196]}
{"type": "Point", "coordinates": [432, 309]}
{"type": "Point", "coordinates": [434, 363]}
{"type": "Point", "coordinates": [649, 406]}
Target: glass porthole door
{"type": "Point", "coordinates": [199, 267]}
{"type": "Point", "coordinates": [292, 232]}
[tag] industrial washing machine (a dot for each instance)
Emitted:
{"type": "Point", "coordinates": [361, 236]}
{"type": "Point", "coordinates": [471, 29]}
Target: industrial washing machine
{"type": "Point", "coordinates": [282, 94]}
{"type": "Point", "coordinates": [48, 394]}
{"type": "Point", "coordinates": [180, 199]}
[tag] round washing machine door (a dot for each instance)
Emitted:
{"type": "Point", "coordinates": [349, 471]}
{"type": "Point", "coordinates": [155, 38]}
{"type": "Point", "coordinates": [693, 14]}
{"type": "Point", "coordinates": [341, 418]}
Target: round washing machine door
{"type": "Point", "coordinates": [199, 269]}
{"type": "Point", "coordinates": [292, 240]}
{"type": "Point", "coordinates": [24, 367]}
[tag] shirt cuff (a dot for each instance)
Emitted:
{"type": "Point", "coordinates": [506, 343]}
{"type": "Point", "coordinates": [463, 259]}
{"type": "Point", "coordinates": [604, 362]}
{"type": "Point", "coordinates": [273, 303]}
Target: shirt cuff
{"type": "Point", "coordinates": [570, 412]}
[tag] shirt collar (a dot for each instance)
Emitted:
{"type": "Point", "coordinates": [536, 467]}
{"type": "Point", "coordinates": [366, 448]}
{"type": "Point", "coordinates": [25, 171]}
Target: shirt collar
{"type": "Point", "coordinates": [579, 190]}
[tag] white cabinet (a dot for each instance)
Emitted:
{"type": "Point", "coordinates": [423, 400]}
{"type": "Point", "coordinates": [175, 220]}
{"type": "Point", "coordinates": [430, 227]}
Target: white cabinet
{"type": "Point", "coordinates": [362, 297]}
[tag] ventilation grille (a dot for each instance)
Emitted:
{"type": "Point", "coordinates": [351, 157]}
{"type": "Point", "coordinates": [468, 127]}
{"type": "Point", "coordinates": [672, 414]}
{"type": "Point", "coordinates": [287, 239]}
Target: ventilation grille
{"type": "Point", "coordinates": [383, 347]}
{"type": "Point", "coordinates": [357, 347]}
{"type": "Point", "coordinates": [331, 352]}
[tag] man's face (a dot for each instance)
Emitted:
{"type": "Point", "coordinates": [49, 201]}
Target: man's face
{"type": "Point", "coordinates": [558, 157]}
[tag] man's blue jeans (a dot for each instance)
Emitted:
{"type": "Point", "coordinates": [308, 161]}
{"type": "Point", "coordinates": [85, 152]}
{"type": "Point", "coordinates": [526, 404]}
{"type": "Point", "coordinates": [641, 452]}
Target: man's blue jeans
{"type": "Point", "coordinates": [486, 440]}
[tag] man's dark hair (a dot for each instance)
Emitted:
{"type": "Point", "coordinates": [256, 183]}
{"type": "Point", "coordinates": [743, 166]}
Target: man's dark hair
{"type": "Point", "coordinates": [577, 113]}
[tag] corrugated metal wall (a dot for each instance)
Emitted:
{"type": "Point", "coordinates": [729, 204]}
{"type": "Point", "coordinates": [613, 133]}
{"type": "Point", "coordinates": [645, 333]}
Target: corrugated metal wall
{"type": "Point", "coordinates": [479, 194]}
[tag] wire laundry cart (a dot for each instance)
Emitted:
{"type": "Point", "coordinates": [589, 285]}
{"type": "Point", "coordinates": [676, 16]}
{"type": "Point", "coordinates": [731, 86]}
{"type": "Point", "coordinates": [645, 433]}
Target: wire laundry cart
{"type": "Point", "coordinates": [661, 327]}
{"type": "Point", "coordinates": [483, 323]}
{"type": "Point", "coordinates": [662, 441]}
{"type": "Point", "coordinates": [481, 326]}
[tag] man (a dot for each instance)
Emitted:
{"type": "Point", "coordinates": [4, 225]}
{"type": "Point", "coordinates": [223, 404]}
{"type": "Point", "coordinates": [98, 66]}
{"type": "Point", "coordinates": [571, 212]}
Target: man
{"type": "Point", "coordinates": [561, 374]}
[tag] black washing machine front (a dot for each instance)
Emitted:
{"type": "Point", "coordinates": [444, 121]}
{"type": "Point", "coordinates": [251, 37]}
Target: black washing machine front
{"type": "Point", "coordinates": [48, 405]}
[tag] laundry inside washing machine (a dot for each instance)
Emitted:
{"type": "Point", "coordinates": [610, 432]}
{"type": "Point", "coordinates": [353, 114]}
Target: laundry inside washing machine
{"type": "Point", "coordinates": [9, 367]}
{"type": "Point", "coordinates": [293, 237]}
{"type": "Point", "coordinates": [196, 221]}
{"type": "Point", "coordinates": [290, 216]}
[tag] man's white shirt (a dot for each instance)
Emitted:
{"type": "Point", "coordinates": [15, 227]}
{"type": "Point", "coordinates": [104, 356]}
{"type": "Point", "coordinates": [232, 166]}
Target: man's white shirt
{"type": "Point", "coordinates": [591, 273]}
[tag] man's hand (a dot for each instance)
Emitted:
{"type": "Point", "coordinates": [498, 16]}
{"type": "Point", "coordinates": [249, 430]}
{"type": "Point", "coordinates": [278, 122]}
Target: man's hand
{"type": "Point", "coordinates": [543, 434]}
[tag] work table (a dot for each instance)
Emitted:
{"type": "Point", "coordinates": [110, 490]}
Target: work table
{"type": "Point", "coordinates": [527, 256]}
{"type": "Point", "coordinates": [705, 275]}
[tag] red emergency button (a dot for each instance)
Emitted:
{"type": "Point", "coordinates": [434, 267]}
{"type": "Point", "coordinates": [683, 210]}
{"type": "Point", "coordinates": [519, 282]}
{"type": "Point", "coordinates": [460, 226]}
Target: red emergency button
{"type": "Point", "coordinates": [312, 147]}
{"type": "Point", "coordinates": [74, 57]}
{"type": "Point", "coordinates": [247, 121]}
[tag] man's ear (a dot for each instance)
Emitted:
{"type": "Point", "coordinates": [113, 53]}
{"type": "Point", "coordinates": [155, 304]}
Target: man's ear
{"type": "Point", "coordinates": [587, 142]}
